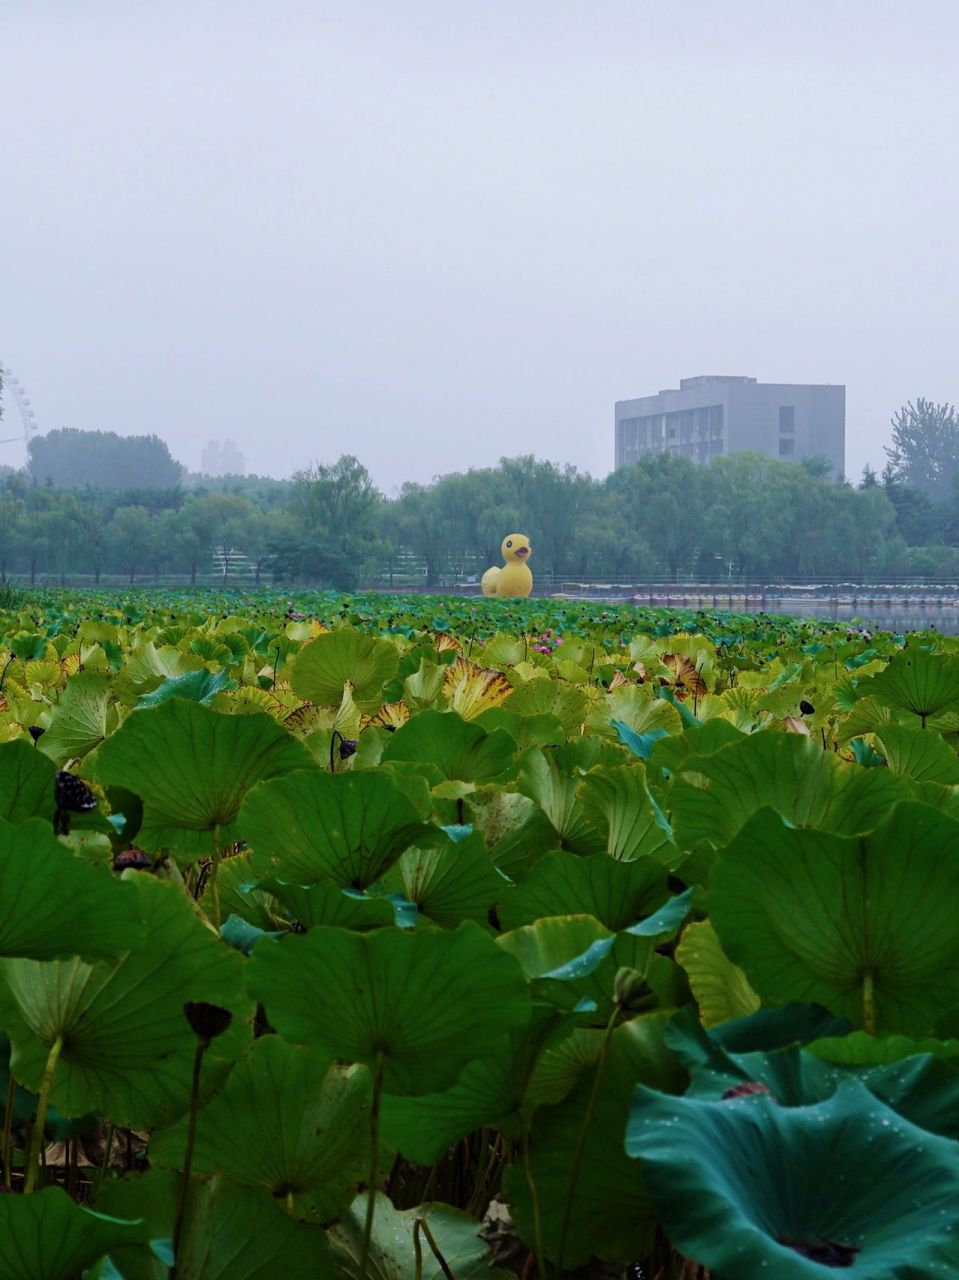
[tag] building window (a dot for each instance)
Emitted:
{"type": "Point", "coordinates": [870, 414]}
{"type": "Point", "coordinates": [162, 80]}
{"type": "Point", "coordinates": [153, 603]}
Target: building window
{"type": "Point", "coordinates": [787, 447]}
{"type": "Point", "coordinates": [787, 419]}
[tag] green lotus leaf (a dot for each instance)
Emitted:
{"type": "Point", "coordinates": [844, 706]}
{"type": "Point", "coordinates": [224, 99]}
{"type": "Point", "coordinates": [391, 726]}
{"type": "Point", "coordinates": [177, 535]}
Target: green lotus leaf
{"type": "Point", "coordinates": [241, 894]}
{"type": "Point", "coordinates": [229, 1232]}
{"type": "Point", "coordinates": [921, 754]}
{"type": "Point", "coordinates": [866, 927]}
{"type": "Point", "coordinates": [393, 1249]}
{"type": "Point", "coordinates": [782, 771]}
{"type": "Point", "coordinates": [516, 830]}
{"type": "Point", "coordinates": [198, 686]}
{"type": "Point", "coordinates": [550, 698]}
{"type": "Point", "coordinates": [327, 664]}
{"type": "Point", "coordinates": [26, 782]}
{"type": "Point", "coordinates": [549, 778]}
{"type": "Point", "coordinates": [747, 1185]}
{"type": "Point", "coordinates": [48, 1237]}
{"type": "Point", "coordinates": [452, 881]}
{"type": "Point", "coordinates": [924, 684]}
{"type": "Point", "coordinates": [127, 1050]}
{"type": "Point", "coordinates": [192, 767]}
{"type": "Point", "coordinates": [424, 1004]}
{"type": "Point", "coordinates": [612, 1216]}
{"type": "Point", "coordinates": [326, 903]}
{"type": "Point", "coordinates": [526, 731]}
{"type": "Point", "coordinates": [577, 952]}
{"type": "Point", "coordinates": [82, 718]}
{"type": "Point", "coordinates": [460, 750]}
{"type": "Point", "coordinates": [619, 805]}
{"type": "Point", "coordinates": [673, 752]}
{"type": "Point", "coordinates": [53, 904]}
{"type": "Point", "coordinates": [491, 1091]}
{"type": "Point", "coordinates": [561, 884]}
{"type": "Point", "coordinates": [289, 1121]}
{"type": "Point", "coordinates": [760, 1032]}
{"type": "Point", "coordinates": [721, 988]}
{"type": "Point", "coordinates": [861, 1050]}
{"type": "Point", "coordinates": [924, 1089]}
{"type": "Point", "coordinates": [345, 827]}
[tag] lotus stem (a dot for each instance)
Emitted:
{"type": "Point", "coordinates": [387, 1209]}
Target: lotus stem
{"type": "Point", "coordinates": [214, 878]}
{"type": "Point", "coordinates": [422, 1224]}
{"type": "Point", "coordinates": [105, 1162]}
{"type": "Point", "coordinates": [584, 1134]}
{"type": "Point", "coordinates": [417, 1251]}
{"type": "Point", "coordinates": [374, 1162]}
{"type": "Point", "coordinates": [36, 1137]}
{"type": "Point", "coordinates": [184, 1188]}
{"type": "Point", "coordinates": [534, 1200]}
{"type": "Point", "coordinates": [868, 1002]}
{"type": "Point", "coordinates": [6, 1148]}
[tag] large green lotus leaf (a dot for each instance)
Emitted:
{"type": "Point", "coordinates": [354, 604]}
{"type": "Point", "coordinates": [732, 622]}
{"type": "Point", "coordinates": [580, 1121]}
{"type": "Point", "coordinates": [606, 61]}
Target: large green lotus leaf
{"type": "Point", "coordinates": [330, 662]}
{"type": "Point", "coordinates": [53, 904]}
{"type": "Point", "coordinates": [460, 750]}
{"type": "Point", "coordinates": [721, 988]}
{"type": "Point", "coordinates": [786, 772]}
{"type": "Point", "coordinates": [921, 754]}
{"type": "Point", "coordinates": [289, 1121]}
{"type": "Point", "coordinates": [192, 767]}
{"type": "Point", "coordinates": [616, 802]}
{"type": "Point", "coordinates": [127, 1048]}
{"type": "Point", "coordinates": [526, 731]}
{"type": "Point", "coordinates": [548, 778]}
{"type": "Point", "coordinates": [82, 718]}
{"type": "Point", "coordinates": [612, 1217]}
{"type": "Point", "coordinates": [740, 1184]}
{"type": "Point", "coordinates": [393, 1250]}
{"type": "Point", "coordinates": [198, 686]}
{"type": "Point", "coordinates": [562, 884]}
{"type": "Point", "coordinates": [672, 753]}
{"type": "Point", "coordinates": [326, 903]}
{"type": "Point", "coordinates": [924, 684]}
{"type": "Point", "coordinates": [866, 927]}
{"type": "Point", "coordinates": [550, 698]}
{"type": "Point", "coordinates": [48, 1237]}
{"type": "Point", "coordinates": [229, 1233]}
{"type": "Point", "coordinates": [923, 1089]}
{"type": "Point", "coordinates": [423, 1003]}
{"type": "Point", "coordinates": [573, 960]}
{"type": "Point", "coordinates": [516, 830]}
{"type": "Point", "coordinates": [26, 782]}
{"type": "Point", "coordinates": [344, 827]}
{"type": "Point", "coordinates": [859, 1049]}
{"type": "Point", "coordinates": [451, 881]}
{"type": "Point", "coordinates": [491, 1091]}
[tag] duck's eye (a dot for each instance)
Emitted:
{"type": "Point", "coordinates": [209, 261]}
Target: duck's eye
{"type": "Point", "coordinates": [509, 544]}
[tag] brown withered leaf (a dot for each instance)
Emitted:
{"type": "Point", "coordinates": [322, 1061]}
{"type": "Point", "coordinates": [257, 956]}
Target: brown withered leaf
{"type": "Point", "coordinates": [685, 675]}
{"type": "Point", "coordinates": [392, 715]}
{"type": "Point", "coordinates": [442, 642]}
{"type": "Point", "coordinates": [471, 689]}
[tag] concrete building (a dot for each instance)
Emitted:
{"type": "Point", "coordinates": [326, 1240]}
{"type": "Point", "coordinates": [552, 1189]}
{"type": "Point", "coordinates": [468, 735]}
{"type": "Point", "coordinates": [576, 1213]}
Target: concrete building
{"type": "Point", "coordinates": [711, 415]}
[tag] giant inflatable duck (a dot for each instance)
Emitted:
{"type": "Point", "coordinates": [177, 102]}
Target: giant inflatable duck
{"type": "Point", "coordinates": [514, 579]}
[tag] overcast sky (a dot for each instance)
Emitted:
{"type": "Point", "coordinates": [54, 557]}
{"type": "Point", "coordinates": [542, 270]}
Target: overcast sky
{"type": "Point", "coordinates": [432, 233]}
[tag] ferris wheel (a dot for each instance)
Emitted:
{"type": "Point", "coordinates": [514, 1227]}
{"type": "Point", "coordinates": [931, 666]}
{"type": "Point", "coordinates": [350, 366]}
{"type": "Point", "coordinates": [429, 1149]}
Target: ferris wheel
{"type": "Point", "coordinates": [28, 421]}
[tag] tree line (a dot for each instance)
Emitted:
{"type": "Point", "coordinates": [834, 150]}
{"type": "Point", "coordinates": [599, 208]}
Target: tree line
{"type": "Point", "coordinates": [742, 516]}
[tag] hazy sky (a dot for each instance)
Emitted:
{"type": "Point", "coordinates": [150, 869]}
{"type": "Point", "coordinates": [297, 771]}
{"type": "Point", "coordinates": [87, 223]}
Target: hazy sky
{"type": "Point", "coordinates": [432, 232]}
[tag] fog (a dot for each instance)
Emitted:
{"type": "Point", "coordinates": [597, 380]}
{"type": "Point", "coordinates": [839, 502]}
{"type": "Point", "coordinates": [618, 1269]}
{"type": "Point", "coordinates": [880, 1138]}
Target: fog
{"type": "Point", "coordinates": [432, 233]}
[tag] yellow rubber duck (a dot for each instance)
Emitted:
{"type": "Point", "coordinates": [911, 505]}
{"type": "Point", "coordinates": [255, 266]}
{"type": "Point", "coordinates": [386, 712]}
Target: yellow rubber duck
{"type": "Point", "coordinates": [514, 579]}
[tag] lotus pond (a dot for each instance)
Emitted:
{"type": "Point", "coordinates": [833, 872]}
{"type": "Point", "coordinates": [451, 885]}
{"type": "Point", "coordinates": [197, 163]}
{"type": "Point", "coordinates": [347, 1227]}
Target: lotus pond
{"type": "Point", "coordinates": [381, 937]}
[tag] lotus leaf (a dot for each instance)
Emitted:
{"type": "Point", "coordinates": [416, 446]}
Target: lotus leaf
{"type": "Point", "coordinates": [423, 1004]}
{"type": "Point", "coordinates": [746, 1185]}
{"type": "Point", "coordinates": [327, 664]}
{"type": "Point", "coordinates": [192, 767]}
{"type": "Point", "coordinates": [865, 926]}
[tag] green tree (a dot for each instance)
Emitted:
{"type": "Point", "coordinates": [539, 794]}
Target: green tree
{"type": "Point", "coordinates": [72, 459]}
{"type": "Point", "coordinates": [925, 447]}
{"type": "Point", "coordinates": [131, 538]}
